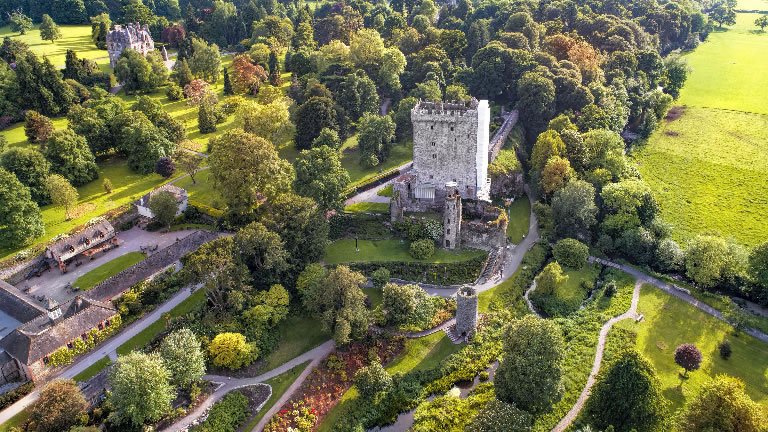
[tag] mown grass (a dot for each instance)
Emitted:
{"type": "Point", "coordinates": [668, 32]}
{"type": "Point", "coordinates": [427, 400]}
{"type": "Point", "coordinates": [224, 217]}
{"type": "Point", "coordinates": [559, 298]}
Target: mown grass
{"type": "Point", "coordinates": [343, 251]}
{"type": "Point", "coordinates": [519, 219]}
{"type": "Point", "coordinates": [105, 271]}
{"type": "Point", "coordinates": [358, 174]}
{"type": "Point", "coordinates": [144, 337]}
{"type": "Point", "coordinates": [367, 207]}
{"type": "Point", "coordinates": [297, 335]}
{"type": "Point", "coordinates": [202, 191]}
{"type": "Point", "coordinates": [669, 322]}
{"type": "Point", "coordinates": [92, 370]}
{"type": "Point", "coordinates": [279, 385]}
{"type": "Point", "coordinates": [569, 296]}
{"type": "Point", "coordinates": [15, 421]}
{"type": "Point", "coordinates": [74, 37]}
{"type": "Point", "coordinates": [708, 167]}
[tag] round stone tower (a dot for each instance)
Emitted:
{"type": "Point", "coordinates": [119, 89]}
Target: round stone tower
{"type": "Point", "coordinates": [466, 311]}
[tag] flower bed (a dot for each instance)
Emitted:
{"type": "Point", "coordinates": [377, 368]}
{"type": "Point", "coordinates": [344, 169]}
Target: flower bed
{"type": "Point", "coordinates": [323, 388]}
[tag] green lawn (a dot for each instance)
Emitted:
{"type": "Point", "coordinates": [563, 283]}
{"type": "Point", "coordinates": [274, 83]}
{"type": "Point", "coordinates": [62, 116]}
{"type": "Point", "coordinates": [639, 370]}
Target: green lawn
{"type": "Point", "coordinates": [128, 186]}
{"type": "Point", "coordinates": [572, 294]}
{"type": "Point", "coordinates": [74, 37]}
{"type": "Point", "coordinates": [350, 160]}
{"type": "Point", "coordinates": [367, 207]}
{"type": "Point", "coordinates": [297, 335]}
{"type": "Point", "coordinates": [707, 168]}
{"type": "Point", "coordinates": [145, 336]}
{"type": "Point", "coordinates": [343, 251]}
{"type": "Point", "coordinates": [419, 354]}
{"type": "Point", "coordinates": [15, 421]}
{"type": "Point", "coordinates": [376, 295]}
{"type": "Point", "coordinates": [669, 322]}
{"type": "Point", "coordinates": [202, 190]}
{"type": "Point", "coordinates": [519, 219]}
{"type": "Point", "coordinates": [386, 191]}
{"type": "Point", "coordinates": [92, 370]}
{"type": "Point", "coordinates": [105, 271]}
{"type": "Point", "coordinates": [279, 385]}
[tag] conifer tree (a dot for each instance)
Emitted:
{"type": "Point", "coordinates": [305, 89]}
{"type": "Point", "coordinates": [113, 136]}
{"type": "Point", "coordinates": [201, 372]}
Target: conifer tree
{"type": "Point", "coordinates": [227, 83]}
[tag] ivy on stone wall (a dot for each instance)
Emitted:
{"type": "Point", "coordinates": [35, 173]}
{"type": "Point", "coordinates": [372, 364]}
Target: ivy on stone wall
{"type": "Point", "coordinates": [64, 355]}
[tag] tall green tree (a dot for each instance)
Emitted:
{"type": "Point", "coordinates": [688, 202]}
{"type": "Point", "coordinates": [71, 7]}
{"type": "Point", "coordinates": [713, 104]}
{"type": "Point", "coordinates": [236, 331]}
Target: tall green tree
{"type": "Point", "coordinates": [30, 168]}
{"type": "Point", "coordinates": [530, 374]}
{"type": "Point", "coordinates": [205, 62]}
{"type": "Point", "coordinates": [261, 172]}
{"type": "Point", "coordinates": [141, 391]}
{"type": "Point", "coordinates": [62, 194]}
{"type": "Point", "coordinates": [37, 127]}
{"type": "Point", "coordinates": [99, 28]}
{"type": "Point", "coordinates": [19, 22]}
{"type": "Point", "coordinates": [320, 176]}
{"type": "Point", "coordinates": [313, 116]}
{"type": "Point", "coordinates": [20, 219]}
{"type": "Point", "coordinates": [183, 357]}
{"type": "Point", "coordinates": [144, 144]}
{"type": "Point", "coordinates": [41, 87]}
{"type": "Point", "coordinates": [357, 95]}
{"type": "Point", "coordinates": [627, 396]}
{"type": "Point", "coordinates": [140, 74]}
{"type": "Point", "coordinates": [723, 12]}
{"type": "Point", "coordinates": [758, 266]}
{"type": "Point", "coordinates": [375, 136]}
{"type": "Point", "coordinates": [574, 211]}
{"type": "Point", "coordinates": [263, 253]}
{"type": "Point", "coordinates": [722, 405]}
{"type": "Point", "coordinates": [164, 207]}
{"type": "Point", "coordinates": [49, 30]}
{"type": "Point", "coordinates": [71, 157]}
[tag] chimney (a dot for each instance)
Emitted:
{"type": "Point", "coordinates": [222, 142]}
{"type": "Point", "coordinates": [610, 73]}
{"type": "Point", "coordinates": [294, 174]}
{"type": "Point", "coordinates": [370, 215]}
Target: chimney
{"type": "Point", "coordinates": [54, 311]}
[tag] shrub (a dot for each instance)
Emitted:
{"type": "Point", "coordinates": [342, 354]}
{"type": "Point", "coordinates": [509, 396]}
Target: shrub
{"type": "Point", "coordinates": [230, 350]}
{"type": "Point", "coordinates": [174, 92]}
{"type": "Point", "coordinates": [571, 253]}
{"type": "Point", "coordinates": [380, 277]}
{"type": "Point", "coordinates": [610, 288]}
{"type": "Point", "coordinates": [422, 249]}
{"type": "Point", "coordinates": [226, 415]}
{"type": "Point", "coordinates": [426, 272]}
{"type": "Point", "coordinates": [372, 379]}
{"type": "Point", "coordinates": [688, 357]}
{"type": "Point", "coordinates": [165, 167]}
{"type": "Point", "coordinates": [725, 349]}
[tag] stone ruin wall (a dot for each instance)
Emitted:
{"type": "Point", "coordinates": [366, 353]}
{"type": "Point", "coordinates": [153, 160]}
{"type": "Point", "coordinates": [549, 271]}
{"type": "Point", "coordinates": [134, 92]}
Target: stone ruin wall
{"type": "Point", "coordinates": [484, 226]}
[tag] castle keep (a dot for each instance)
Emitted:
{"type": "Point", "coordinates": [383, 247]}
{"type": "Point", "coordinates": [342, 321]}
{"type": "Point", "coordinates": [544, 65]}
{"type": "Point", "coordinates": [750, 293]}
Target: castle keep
{"type": "Point", "coordinates": [131, 36]}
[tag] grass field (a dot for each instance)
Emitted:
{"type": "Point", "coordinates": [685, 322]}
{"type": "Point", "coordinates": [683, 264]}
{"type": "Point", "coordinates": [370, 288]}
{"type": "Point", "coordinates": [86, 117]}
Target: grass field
{"type": "Point", "coordinates": [367, 207]}
{"type": "Point", "coordinates": [202, 190]}
{"type": "Point", "coordinates": [350, 160]}
{"type": "Point", "coordinates": [15, 421]}
{"type": "Point", "coordinates": [145, 336]}
{"type": "Point", "coordinates": [708, 167]}
{"type": "Point", "coordinates": [279, 385]}
{"type": "Point", "coordinates": [572, 294]}
{"type": "Point", "coordinates": [92, 370]}
{"type": "Point", "coordinates": [343, 251]}
{"type": "Point", "coordinates": [297, 335]}
{"type": "Point", "coordinates": [104, 271]}
{"type": "Point", "coordinates": [519, 219]}
{"type": "Point", "coordinates": [74, 37]}
{"type": "Point", "coordinates": [669, 322]}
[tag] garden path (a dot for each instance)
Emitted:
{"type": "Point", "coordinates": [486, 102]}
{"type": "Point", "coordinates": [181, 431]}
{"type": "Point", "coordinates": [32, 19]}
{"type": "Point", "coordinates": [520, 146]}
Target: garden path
{"type": "Point", "coordinates": [566, 421]}
{"type": "Point", "coordinates": [109, 348]}
{"type": "Point", "coordinates": [228, 384]}
{"type": "Point", "coordinates": [528, 300]}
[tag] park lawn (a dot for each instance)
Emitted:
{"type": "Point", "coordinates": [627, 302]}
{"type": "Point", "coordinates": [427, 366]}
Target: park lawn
{"type": "Point", "coordinates": [92, 370]}
{"type": "Point", "coordinates": [296, 335]}
{"type": "Point", "coordinates": [358, 174]}
{"type": "Point", "coordinates": [752, 5]}
{"type": "Point", "coordinates": [419, 354]}
{"type": "Point", "coordinates": [707, 169]}
{"type": "Point", "coordinates": [128, 186]}
{"type": "Point", "coordinates": [279, 385]}
{"type": "Point", "coordinates": [376, 296]}
{"type": "Point", "coordinates": [343, 251]}
{"type": "Point", "coordinates": [74, 37]}
{"type": "Point", "coordinates": [519, 219]}
{"type": "Point", "coordinates": [107, 270]}
{"type": "Point", "coordinates": [367, 207]}
{"type": "Point", "coordinates": [202, 191]}
{"type": "Point", "coordinates": [15, 137]}
{"type": "Point", "coordinates": [15, 421]}
{"type": "Point", "coordinates": [669, 322]}
{"type": "Point", "coordinates": [386, 191]}
{"type": "Point", "coordinates": [146, 336]}
{"type": "Point", "coordinates": [572, 294]}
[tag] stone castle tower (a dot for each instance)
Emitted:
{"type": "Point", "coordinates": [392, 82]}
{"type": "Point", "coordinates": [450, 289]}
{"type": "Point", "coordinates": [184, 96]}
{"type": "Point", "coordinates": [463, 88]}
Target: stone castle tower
{"type": "Point", "coordinates": [450, 145]}
{"type": "Point", "coordinates": [452, 217]}
{"type": "Point", "coordinates": [131, 36]}
{"type": "Point", "coordinates": [466, 311]}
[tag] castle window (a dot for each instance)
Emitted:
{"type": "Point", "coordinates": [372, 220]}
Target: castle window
{"type": "Point", "coordinates": [448, 231]}
{"type": "Point", "coordinates": [451, 128]}
{"type": "Point", "coordinates": [434, 156]}
{"type": "Point", "coordinates": [449, 221]}
{"type": "Point", "coordinates": [447, 243]}
{"type": "Point", "coordinates": [433, 144]}
{"type": "Point", "coordinates": [432, 126]}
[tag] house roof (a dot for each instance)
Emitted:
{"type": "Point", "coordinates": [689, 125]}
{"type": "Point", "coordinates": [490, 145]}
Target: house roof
{"type": "Point", "coordinates": [16, 304]}
{"type": "Point", "coordinates": [94, 234]}
{"type": "Point", "coordinates": [179, 193]}
{"type": "Point", "coordinates": [44, 334]}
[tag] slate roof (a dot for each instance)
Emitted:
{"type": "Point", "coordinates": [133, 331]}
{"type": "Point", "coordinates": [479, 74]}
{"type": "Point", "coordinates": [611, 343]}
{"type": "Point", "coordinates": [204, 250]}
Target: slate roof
{"type": "Point", "coordinates": [74, 244]}
{"type": "Point", "coordinates": [42, 335]}
{"type": "Point", "coordinates": [16, 304]}
{"type": "Point", "coordinates": [179, 193]}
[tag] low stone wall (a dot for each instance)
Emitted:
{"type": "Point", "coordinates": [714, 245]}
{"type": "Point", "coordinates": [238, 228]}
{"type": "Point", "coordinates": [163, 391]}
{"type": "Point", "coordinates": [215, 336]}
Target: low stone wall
{"type": "Point", "coordinates": [119, 283]}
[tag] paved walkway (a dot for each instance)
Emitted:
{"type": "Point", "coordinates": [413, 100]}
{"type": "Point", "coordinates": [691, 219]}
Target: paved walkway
{"type": "Point", "coordinates": [228, 384]}
{"type": "Point", "coordinates": [109, 348]}
{"type": "Point", "coordinates": [577, 407]}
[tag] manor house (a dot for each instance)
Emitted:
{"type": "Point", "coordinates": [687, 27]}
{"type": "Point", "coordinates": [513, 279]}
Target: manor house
{"type": "Point", "coordinates": [131, 36]}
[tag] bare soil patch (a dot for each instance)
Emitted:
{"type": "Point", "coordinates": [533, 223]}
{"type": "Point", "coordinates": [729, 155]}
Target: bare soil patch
{"type": "Point", "coordinates": [674, 113]}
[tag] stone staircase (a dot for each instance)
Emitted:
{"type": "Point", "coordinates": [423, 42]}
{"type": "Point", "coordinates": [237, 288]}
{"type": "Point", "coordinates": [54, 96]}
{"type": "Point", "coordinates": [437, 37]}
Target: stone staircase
{"type": "Point", "coordinates": [493, 266]}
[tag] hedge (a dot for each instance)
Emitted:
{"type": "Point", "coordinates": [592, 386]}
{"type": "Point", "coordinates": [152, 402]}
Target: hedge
{"type": "Point", "coordinates": [226, 415]}
{"type": "Point", "coordinates": [454, 273]}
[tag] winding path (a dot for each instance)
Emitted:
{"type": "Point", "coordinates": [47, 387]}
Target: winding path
{"type": "Point", "coordinates": [577, 407]}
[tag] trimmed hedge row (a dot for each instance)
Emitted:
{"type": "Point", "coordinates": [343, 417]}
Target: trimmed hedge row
{"type": "Point", "coordinates": [454, 273]}
{"type": "Point", "coordinates": [362, 226]}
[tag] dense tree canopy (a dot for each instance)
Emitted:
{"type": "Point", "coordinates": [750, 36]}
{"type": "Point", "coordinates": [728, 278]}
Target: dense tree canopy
{"type": "Point", "coordinates": [20, 218]}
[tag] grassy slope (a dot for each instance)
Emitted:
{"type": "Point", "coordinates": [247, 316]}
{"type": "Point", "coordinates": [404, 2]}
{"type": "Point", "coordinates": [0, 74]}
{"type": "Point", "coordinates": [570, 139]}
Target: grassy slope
{"type": "Point", "coordinates": [93, 369]}
{"type": "Point", "coordinates": [343, 251]}
{"type": "Point", "coordinates": [297, 335]}
{"type": "Point", "coordinates": [15, 421]}
{"type": "Point", "coordinates": [571, 294]}
{"type": "Point", "coordinates": [519, 219]}
{"type": "Point", "coordinates": [104, 271]}
{"type": "Point", "coordinates": [367, 207]}
{"type": "Point", "coordinates": [669, 322]}
{"type": "Point", "coordinates": [74, 37]}
{"type": "Point", "coordinates": [350, 160]}
{"type": "Point", "coordinates": [202, 190]}
{"type": "Point", "coordinates": [707, 166]}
